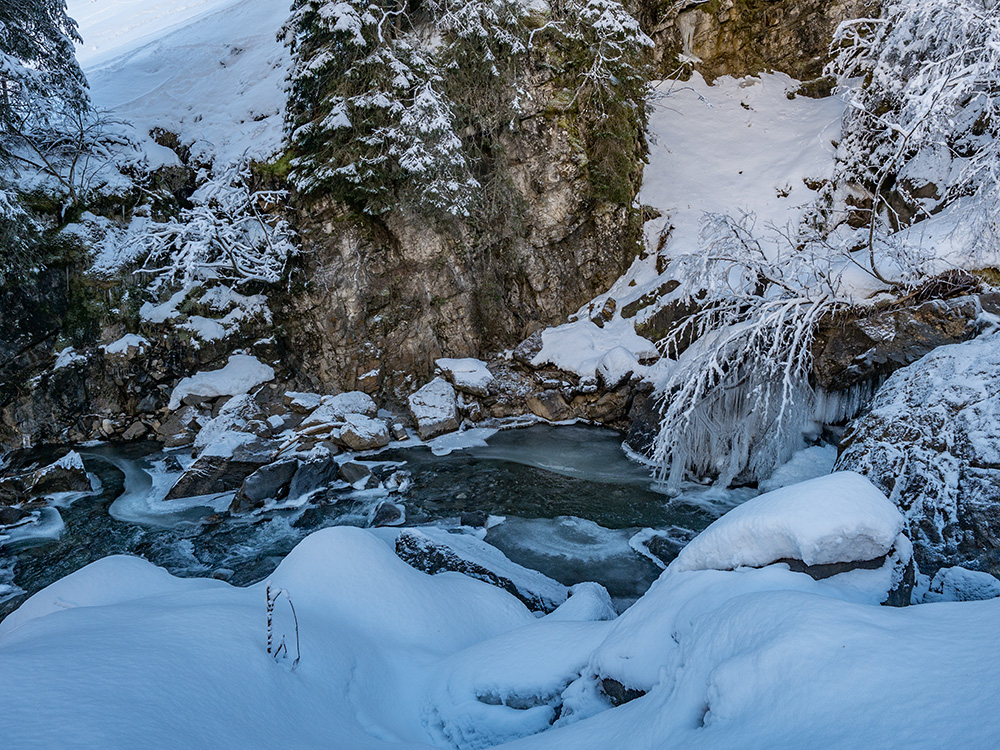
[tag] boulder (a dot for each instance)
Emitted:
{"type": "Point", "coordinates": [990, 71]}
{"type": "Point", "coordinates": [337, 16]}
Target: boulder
{"type": "Point", "coordinates": [214, 472]}
{"type": "Point", "coordinates": [616, 367]}
{"type": "Point", "coordinates": [269, 482]}
{"type": "Point", "coordinates": [12, 491]}
{"type": "Point", "coordinates": [434, 408]}
{"type": "Point", "coordinates": [301, 403]}
{"type": "Point", "coordinates": [387, 514]}
{"type": "Point", "coordinates": [180, 428]}
{"type": "Point", "coordinates": [352, 402]}
{"type": "Point", "coordinates": [931, 442]}
{"type": "Point", "coordinates": [65, 475]}
{"type": "Point", "coordinates": [435, 550]}
{"type": "Point", "coordinates": [850, 349]}
{"type": "Point", "coordinates": [361, 433]}
{"type": "Point", "coordinates": [550, 405]}
{"type": "Point", "coordinates": [468, 375]}
{"type": "Point", "coordinates": [11, 516]}
{"type": "Point", "coordinates": [317, 469]}
{"type": "Point", "coordinates": [353, 472]}
{"type": "Point", "coordinates": [958, 584]}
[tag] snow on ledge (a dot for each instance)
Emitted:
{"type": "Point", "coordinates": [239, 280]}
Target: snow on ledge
{"type": "Point", "coordinates": [241, 374]}
{"type": "Point", "coordinates": [841, 517]}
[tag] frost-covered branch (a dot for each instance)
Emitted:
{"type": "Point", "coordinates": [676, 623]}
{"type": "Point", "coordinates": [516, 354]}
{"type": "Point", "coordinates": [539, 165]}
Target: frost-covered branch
{"type": "Point", "coordinates": [231, 231]}
{"type": "Point", "coordinates": [924, 122]}
{"type": "Point", "coordinates": [734, 402]}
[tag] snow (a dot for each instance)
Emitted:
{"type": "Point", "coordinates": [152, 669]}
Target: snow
{"type": "Point", "coordinates": [125, 343]}
{"type": "Point", "coordinates": [841, 517]}
{"type": "Point", "coordinates": [434, 408]}
{"type": "Point", "coordinates": [468, 374]}
{"type": "Point", "coordinates": [241, 374]}
{"type": "Point", "coordinates": [164, 311]}
{"type": "Point", "coordinates": [68, 357]}
{"type": "Point", "coordinates": [121, 653]}
{"type": "Point", "coordinates": [211, 71]}
{"type": "Point", "coordinates": [580, 346]}
{"type": "Point", "coordinates": [958, 584]}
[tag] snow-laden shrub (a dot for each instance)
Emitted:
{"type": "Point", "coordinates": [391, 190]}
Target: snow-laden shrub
{"type": "Point", "coordinates": [231, 231]}
{"type": "Point", "coordinates": [924, 123]}
{"type": "Point", "coordinates": [734, 403]}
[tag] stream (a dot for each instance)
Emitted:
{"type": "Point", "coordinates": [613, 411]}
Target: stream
{"type": "Point", "coordinates": [564, 500]}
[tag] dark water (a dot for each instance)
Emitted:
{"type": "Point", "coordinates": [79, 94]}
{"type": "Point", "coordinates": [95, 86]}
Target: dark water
{"type": "Point", "coordinates": [570, 497]}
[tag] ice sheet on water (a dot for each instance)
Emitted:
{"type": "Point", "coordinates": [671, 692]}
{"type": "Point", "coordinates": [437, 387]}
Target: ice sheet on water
{"type": "Point", "coordinates": [45, 528]}
{"type": "Point", "coordinates": [575, 451]}
{"type": "Point", "coordinates": [147, 482]}
{"type": "Point", "coordinates": [573, 550]}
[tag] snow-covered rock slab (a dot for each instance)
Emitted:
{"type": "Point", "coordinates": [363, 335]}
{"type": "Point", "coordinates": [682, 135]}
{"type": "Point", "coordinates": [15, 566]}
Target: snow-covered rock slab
{"type": "Point", "coordinates": [241, 374]}
{"type": "Point", "coordinates": [469, 375]}
{"type": "Point", "coordinates": [434, 550]}
{"type": "Point", "coordinates": [931, 442]}
{"type": "Point", "coordinates": [838, 518]}
{"type": "Point", "coordinates": [361, 433]}
{"type": "Point", "coordinates": [435, 409]}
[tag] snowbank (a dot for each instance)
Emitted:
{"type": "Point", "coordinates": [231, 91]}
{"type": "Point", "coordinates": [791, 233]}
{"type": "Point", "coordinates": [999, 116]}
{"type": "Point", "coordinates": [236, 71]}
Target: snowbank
{"type": "Point", "coordinates": [121, 654]}
{"type": "Point", "coordinates": [241, 374]}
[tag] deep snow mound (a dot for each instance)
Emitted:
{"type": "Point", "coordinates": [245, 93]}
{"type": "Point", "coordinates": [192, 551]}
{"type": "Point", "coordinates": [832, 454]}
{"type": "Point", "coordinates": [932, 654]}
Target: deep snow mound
{"type": "Point", "coordinates": [839, 518]}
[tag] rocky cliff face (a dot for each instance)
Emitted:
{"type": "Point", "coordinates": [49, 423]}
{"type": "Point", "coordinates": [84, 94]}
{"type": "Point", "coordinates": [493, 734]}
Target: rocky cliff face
{"type": "Point", "coordinates": [743, 37]}
{"type": "Point", "coordinates": [379, 299]}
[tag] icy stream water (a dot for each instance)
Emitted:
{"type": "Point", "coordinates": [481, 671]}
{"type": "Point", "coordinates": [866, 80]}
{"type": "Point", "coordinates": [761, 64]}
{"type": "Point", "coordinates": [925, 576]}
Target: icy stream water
{"type": "Point", "coordinates": [570, 499]}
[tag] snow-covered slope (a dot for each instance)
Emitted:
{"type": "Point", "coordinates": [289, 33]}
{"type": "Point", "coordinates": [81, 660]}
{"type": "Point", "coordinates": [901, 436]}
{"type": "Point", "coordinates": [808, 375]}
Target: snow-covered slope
{"type": "Point", "coordinates": [739, 145]}
{"type": "Point", "coordinates": [210, 71]}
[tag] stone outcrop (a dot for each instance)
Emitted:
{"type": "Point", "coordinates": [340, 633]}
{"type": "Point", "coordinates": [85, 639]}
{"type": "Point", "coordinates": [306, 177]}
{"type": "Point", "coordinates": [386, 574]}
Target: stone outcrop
{"type": "Point", "coordinates": [744, 37]}
{"type": "Point", "coordinates": [850, 349]}
{"type": "Point", "coordinates": [931, 442]}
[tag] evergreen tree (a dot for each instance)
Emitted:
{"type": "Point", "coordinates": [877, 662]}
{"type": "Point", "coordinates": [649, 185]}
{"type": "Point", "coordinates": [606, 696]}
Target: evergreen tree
{"type": "Point", "coordinates": [40, 80]}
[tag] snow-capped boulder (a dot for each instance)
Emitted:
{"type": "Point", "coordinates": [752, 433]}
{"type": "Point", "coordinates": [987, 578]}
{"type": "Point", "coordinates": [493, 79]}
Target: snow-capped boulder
{"type": "Point", "coordinates": [617, 366]}
{"type": "Point", "coordinates": [361, 433]}
{"type": "Point", "coordinates": [241, 374]}
{"type": "Point", "coordinates": [839, 518]}
{"type": "Point", "coordinates": [301, 403]}
{"type": "Point", "coordinates": [435, 409]}
{"type": "Point", "coordinates": [65, 475]}
{"type": "Point", "coordinates": [931, 443]}
{"type": "Point", "coordinates": [352, 402]}
{"type": "Point", "coordinates": [958, 584]}
{"type": "Point", "coordinates": [468, 375]}
{"type": "Point", "coordinates": [434, 550]}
